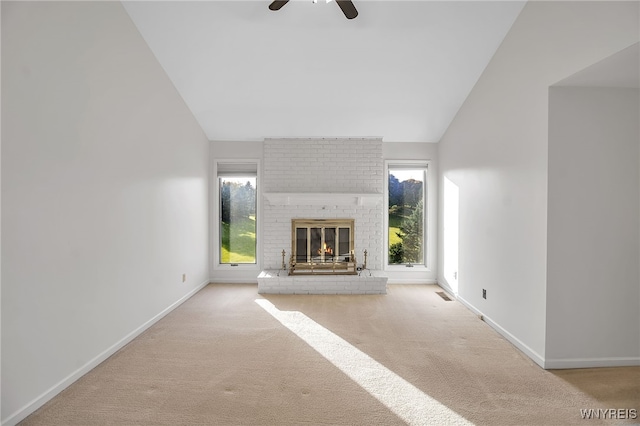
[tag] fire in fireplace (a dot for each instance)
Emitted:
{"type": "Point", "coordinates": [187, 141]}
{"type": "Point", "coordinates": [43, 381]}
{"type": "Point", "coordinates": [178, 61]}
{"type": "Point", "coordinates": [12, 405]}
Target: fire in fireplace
{"type": "Point", "coordinates": [322, 246]}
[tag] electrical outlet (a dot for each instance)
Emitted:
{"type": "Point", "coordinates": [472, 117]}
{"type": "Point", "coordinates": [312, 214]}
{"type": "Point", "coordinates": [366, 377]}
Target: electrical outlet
{"type": "Point", "coordinates": [484, 293]}
{"type": "Point", "coordinates": [184, 278]}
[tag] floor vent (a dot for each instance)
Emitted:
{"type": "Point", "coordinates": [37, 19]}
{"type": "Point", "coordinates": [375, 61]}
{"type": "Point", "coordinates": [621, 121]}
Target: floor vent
{"type": "Point", "coordinates": [443, 295]}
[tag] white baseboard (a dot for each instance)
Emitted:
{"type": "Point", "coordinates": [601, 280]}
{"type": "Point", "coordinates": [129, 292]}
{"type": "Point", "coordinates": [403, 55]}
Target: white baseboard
{"type": "Point", "coordinates": [546, 363]}
{"type": "Point", "coordinates": [253, 280]}
{"type": "Point", "coordinates": [445, 286]}
{"type": "Point", "coordinates": [535, 357]}
{"type": "Point", "coordinates": [420, 281]}
{"type": "Point", "coordinates": [564, 363]}
{"type": "Point", "coordinates": [38, 402]}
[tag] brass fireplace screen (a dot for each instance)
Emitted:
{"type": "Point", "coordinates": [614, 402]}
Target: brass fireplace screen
{"type": "Point", "coordinates": [322, 246]}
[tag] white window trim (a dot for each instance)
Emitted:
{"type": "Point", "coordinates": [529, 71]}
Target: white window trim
{"type": "Point", "coordinates": [429, 186]}
{"type": "Point", "coordinates": [215, 219]}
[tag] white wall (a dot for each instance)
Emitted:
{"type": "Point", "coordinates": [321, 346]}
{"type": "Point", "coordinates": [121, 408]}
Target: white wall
{"type": "Point", "coordinates": [0, 242]}
{"type": "Point", "coordinates": [495, 152]}
{"type": "Point", "coordinates": [104, 187]}
{"type": "Point", "coordinates": [593, 315]}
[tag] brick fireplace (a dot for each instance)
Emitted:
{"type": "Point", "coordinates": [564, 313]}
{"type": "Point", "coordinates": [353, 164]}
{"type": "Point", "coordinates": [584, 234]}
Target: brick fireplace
{"type": "Point", "coordinates": [325, 179]}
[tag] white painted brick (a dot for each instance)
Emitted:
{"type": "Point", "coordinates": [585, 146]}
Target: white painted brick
{"type": "Point", "coordinates": [322, 165]}
{"type": "Point", "coordinates": [270, 282]}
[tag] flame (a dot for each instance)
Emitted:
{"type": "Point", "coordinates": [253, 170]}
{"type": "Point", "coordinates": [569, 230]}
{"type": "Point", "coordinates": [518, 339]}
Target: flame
{"type": "Point", "coordinates": [325, 250]}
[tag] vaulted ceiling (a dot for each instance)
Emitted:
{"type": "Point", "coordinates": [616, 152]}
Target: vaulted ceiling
{"type": "Point", "coordinates": [400, 70]}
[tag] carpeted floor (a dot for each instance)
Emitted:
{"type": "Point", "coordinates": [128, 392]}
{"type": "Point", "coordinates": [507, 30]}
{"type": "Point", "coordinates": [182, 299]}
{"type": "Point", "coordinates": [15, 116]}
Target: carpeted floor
{"type": "Point", "coordinates": [224, 359]}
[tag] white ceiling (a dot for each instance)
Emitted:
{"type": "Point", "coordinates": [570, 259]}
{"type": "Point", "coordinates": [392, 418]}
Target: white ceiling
{"type": "Point", "coordinates": [400, 70]}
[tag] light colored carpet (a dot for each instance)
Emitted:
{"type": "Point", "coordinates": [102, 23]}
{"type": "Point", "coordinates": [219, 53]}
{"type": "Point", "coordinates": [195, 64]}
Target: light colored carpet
{"type": "Point", "coordinates": [409, 356]}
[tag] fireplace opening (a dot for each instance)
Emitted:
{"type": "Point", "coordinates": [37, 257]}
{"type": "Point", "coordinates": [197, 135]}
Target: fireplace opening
{"type": "Point", "coordinates": [322, 246]}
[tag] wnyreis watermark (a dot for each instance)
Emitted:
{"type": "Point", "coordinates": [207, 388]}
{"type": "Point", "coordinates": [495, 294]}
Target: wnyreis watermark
{"type": "Point", "coordinates": [609, 413]}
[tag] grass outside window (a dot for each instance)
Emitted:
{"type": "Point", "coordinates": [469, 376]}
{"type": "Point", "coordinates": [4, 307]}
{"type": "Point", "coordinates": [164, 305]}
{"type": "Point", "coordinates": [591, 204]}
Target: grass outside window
{"type": "Point", "coordinates": [237, 220]}
{"type": "Point", "coordinates": [238, 240]}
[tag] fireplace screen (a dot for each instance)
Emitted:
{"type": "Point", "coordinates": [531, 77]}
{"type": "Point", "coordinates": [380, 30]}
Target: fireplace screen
{"type": "Point", "coordinates": [322, 246]}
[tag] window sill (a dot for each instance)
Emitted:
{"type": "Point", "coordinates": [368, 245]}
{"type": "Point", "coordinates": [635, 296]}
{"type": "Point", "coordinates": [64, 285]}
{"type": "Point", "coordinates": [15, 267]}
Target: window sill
{"type": "Point", "coordinates": [236, 266]}
{"type": "Point", "coordinates": [405, 268]}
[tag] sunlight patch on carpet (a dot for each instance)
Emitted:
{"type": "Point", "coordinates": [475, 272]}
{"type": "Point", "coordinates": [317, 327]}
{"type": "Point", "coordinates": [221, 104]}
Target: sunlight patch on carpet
{"type": "Point", "coordinates": [401, 397]}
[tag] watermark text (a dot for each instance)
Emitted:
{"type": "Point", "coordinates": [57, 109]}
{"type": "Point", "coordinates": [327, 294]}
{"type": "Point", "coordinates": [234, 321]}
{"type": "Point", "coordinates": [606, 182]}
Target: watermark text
{"type": "Point", "coordinates": [609, 413]}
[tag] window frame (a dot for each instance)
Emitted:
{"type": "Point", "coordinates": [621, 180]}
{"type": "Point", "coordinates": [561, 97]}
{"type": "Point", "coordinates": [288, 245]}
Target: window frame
{"type": "Point", "coordinates": [216, 248]}
{"type": "Point", "coordinates": [427, 195]}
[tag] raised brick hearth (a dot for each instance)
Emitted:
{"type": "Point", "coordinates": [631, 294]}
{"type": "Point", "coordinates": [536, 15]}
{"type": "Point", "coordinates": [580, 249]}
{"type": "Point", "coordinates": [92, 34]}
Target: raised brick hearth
{"type": "Point", "coordinates": [270, 282]}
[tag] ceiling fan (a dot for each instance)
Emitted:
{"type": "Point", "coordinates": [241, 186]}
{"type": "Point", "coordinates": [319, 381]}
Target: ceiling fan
{"type": "Point", "coordinates": [346, 6]}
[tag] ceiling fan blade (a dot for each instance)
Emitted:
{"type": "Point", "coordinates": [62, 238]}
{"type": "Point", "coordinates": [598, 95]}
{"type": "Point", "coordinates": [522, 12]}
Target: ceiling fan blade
{"type": "Point", "coordinates": [276, 5]}
{"type": "Point", "coordinates": [348, 8]}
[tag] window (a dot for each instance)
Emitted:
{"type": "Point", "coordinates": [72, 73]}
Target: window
{"type": "Point", "coordinates": [237, 187]}
{"type": "Point", "coordinates": [407, 201]}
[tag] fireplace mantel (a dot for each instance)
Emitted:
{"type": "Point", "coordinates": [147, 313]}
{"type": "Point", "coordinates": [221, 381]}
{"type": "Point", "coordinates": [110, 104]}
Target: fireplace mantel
{"type": "Point", "coordinates": [322, 199]}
